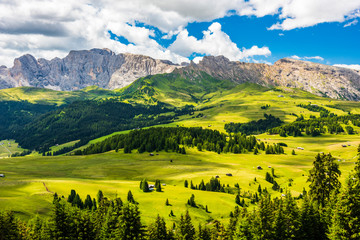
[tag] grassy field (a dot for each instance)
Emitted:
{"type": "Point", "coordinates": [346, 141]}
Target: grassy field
{"type": "Point", "coordinates": [23, 188]}
{"type": "Point", "coordinates": [30, 181]}
{"type": "Point", "coordinates": [8, 147]}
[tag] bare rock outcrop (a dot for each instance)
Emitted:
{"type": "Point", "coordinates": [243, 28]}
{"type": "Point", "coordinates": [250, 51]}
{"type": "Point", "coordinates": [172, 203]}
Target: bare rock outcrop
{"type": "Point", "coordinates": [104, 68]}
{"type": "Point", "coordinates": [80, 69]}
{"type": "Point", "coordinates": [319, 79]}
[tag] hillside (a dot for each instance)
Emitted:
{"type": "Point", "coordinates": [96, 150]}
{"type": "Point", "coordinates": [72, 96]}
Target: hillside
{"type": "Point", "coordinates": [193, 145]}
{"type": "Point", "coordinates": [47, 96]}
{"type": "Point", "coordinates": [105, 69]}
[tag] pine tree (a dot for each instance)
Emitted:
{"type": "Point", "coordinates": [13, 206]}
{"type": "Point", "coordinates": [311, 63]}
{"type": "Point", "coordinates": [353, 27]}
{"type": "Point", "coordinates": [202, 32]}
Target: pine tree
{"type": "Point", "coordinates": [130, 197]}
{"type": "Point", "coordinates": [9, 226]}
{"type": "Point", "coordinates": [237, 199]}
{"type": "Point", "coordinates": [311, 224]}
{"type": "Point", "coordinates": [130, 227]}
{"type": "Point", "coordinates": [145, 186]}
{"type": "Point", "coordinates": [191, 201]}
{"type": "Point", "coordinates": [186, 184]}
{"type": "Point", "coordinates": [88, 203]}
{"type": "Point", "coordinates": [346, 220]}
{"type": "Point", "coordinates": [185, 229]}
{"type": "Point", "coordinates": [167, 202]}
{"type": "Point", "coordinates": [157, 230]}
{"type": "Point", "coordinates": [158, 185]}
{"type": "Point", "coordinates": [192, 185]}
{"type": "Point", "coordinates": [71, 196]}
{"type": "Point", "coordinates": [94, 204]}
{"type": "Point", "coordinates": [323, 178]}
{"type": "Point", "coordinates": [293, 152]}
{"type": "Point", "coordinates": [204, 233]}
{"type": "Point", "coordinates": [78, 202]}
{"type": "Point", "coordinates": [100, 196]}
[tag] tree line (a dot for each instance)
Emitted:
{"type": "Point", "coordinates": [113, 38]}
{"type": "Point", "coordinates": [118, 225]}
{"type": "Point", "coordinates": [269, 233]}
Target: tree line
{"type": "Point", "coordinates": [317, 126]}
{"type": "Point", "coordinates": [86, 120]}
{"type": "Point", "coordinates": [175, 139]}
{"type": "Point", "coordinates": [327, 211]}
{"type": "Point", "coordinates": [254, 127]}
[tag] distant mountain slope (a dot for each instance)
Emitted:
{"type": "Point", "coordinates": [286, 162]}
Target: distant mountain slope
{"type": "Point", "coordinates": [48, 96]}
{"type": "Point", "coordinates": [319, 79]}
{"type": "Point", "coordinates": [175, 89]}
{"type": "Point", "coordinates": [80, 69]}
{"type": "Point", "coordinates": [103, 68]}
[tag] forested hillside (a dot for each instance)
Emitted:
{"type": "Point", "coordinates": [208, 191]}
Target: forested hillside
{"type": "Point", "coordinates": [87, 120]}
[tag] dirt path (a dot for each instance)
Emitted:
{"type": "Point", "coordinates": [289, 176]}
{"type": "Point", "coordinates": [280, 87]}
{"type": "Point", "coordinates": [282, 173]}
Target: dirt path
{"type": "Point", "coordinates": [46, 188]}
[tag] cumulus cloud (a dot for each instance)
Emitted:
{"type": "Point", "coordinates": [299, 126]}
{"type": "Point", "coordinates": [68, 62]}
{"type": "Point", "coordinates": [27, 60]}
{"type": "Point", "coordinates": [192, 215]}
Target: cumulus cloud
{"type": "Point", "coordinates": [352, 66]}
{"type": "Point", "coordinates": [48, 27]}
{"type": "Point", "coordinates": [307, 58]}
{"type": "Point", "coordinates": [214, 42]}
{"type": "Point", "coordinates": [305, 13]}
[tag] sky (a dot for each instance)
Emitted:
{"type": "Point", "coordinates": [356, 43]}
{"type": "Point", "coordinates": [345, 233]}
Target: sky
{"type": "Point", "coordinates": [260, 31]}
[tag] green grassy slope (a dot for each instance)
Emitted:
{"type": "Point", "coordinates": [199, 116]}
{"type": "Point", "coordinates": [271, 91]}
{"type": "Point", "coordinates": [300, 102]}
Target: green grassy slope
{"type": "Point", "coordinates": [23, 188]}
{"type": "Point", "coordinates": [174, 89]}
{"type": "Point", "coordinates": [216, 103]}
{"type": "Point", "coordinates": [48, 96]}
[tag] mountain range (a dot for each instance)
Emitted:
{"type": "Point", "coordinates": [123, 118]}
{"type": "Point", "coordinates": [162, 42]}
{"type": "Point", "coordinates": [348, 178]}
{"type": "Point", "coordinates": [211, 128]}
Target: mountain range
{"type": "Point", "coordinates": [105, 69]}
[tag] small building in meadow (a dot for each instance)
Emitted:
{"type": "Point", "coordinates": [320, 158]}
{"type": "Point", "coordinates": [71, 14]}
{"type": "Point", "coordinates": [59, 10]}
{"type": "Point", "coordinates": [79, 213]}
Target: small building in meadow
{"type": "Point", "coordinates": [2, 175]}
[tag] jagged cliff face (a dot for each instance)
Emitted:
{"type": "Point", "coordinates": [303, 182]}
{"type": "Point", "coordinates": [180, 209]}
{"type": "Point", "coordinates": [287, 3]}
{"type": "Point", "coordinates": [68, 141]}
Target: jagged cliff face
{"type": "Point", "coordinates": [79, 69]}
{"type": "Point", "coordinates": [103, 68]}
{"type": "Point", "coordinates": [319, 79]}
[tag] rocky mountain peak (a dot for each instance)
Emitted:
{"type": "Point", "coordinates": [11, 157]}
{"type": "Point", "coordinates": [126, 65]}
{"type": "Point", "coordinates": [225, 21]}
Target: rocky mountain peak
{"type": "Point", "coordinates": [103, 68]}
{"type": "Point", "coordinates": [82, 68]}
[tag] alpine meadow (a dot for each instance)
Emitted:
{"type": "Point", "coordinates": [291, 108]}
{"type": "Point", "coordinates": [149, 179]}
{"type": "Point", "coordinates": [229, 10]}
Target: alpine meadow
{"type": "Point", "coordinates": [200, 123]}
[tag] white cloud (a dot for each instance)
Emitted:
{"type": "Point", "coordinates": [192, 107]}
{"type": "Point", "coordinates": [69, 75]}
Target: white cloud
{"type": "Point", "coordinates": [197, 59]}
{"type": "Point", "coordinates": [215, 42]}
{"type": "Point", "coordinates": [305, 13]}
{"type": "Point", "coordinates": [48, 27]}
{"type": "Point", "coordinates": [352, 66]}
{"type": "Point", "coordinates": [307, 58]}
{"type": "Point", "coordinates": [354, 22]}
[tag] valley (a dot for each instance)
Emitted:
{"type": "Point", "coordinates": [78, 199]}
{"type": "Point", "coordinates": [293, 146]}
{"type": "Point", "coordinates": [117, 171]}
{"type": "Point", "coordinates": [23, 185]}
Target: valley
{"type": "Point", "coordinates": [115, 172]}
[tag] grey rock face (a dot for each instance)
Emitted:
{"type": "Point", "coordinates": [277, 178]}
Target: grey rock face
{"type": "Point", "coordinates": [79, 69]}
{"type": "Point", "coordinates": [103, 68]}
{"type": "Point", "coordinates": [319, 79]}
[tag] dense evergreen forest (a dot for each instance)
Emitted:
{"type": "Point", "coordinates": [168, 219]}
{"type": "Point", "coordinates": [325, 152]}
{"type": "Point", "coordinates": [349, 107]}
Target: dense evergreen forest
{"type": "Point", "coordinates": [175, 139]}
{"type": "Point", "coordinates": [254, 127]}
{"type": "Point", "coordinates": [327, 211]}
{"type": "Point", "coordinates": [15, 114]}
{"type": "Point", "coordinates": [87, 120]}
{"type": "Point", "coordinates": [317, 126]}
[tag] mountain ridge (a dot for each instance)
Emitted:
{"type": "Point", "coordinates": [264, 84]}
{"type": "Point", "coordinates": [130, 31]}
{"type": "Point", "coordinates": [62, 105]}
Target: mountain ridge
{"type": "Point", "coordinates": [104, 68]}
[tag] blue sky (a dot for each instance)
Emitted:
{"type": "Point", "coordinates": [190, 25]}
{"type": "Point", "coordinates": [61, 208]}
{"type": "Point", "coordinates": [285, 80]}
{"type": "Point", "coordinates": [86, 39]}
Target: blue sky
{"type": "Point", "coordinates": [331, 41]}
{"type": "Point", "coordinates": [324, 31]}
